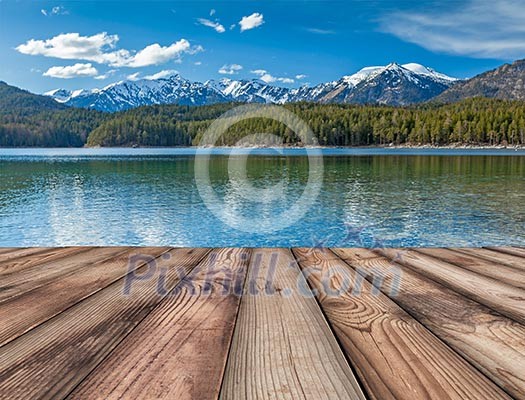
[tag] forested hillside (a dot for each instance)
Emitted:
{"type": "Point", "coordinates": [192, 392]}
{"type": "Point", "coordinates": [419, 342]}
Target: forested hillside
{"type": "Point", "coordinates": [474, 121]}
{"type": "Point", "coordinates": [32, 120]}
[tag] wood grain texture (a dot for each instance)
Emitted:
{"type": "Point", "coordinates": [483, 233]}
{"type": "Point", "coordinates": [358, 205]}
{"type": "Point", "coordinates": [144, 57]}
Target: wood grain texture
{"type": "Point", "coordinates": [395, 356]}
{"type": "Point", "coordinates": [42, 303]}
{"type": "Point", "coordinates": [496, 256]}
{"type": "Point", "coordinates": [12, 253]}
{"type": "Point", "coordinates": [16, 264]}
{"type": "Point", "coordinates": [515, 251]}
{"type": "Point", "coordinates": [490, 341]}
{"type": "Point", "coordinates": [500, 272]}
{"type": "Point", "coordinates": [501, 297]}
{"type": "Point", "coordinates": [39, 274]}
{"type": "Point", "coordinates": [192, 328]}
{"type": "Point", "coordinates": [51, 360]}
{"type": "Point", "coordinates": [282, 347]}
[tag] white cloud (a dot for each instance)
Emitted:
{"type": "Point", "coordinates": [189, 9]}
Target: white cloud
{"type": "Point", "coordinates": [109, 73]}
{"type": "Point", "coordinates": [154, 54]}
{"type": "Point", "coordinates": [161, 74]}
{"type": "Point", "coordinates": [251, 21]}
{"type": "Point", "coordinates": [212, 12]}
{"type": "Point", "coordinates": [300, 76]}
{"type": "Point", "coordinates": [72, 71]}
{"type": "Point", "coordinates": [230, 69]}
{"type": "Point", "coordinates": [100, 48]}
{"type": "Point", "coordinates": [215, 25]}
{"type": "Point", "coordinates": [479, 28]}
{"type": "Point", "coordinates": [133, 77]}
{"type": "Point", "coordinates": [197, 63]}
{"type": "Point", "coordinates": [265, 76]}
{"type": "Point", "coordinates": [57, 10]}
{"type": "Point", "coordinates": [321, 31]}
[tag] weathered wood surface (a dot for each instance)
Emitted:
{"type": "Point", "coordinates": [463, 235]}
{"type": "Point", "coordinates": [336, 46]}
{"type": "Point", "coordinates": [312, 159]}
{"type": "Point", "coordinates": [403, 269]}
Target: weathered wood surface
{"type": "Point", "coordinates": [53, 358]}
{"type": "Point", "coordinates": [492, 342]}
{"type": "Point", "coordinates": [496, 256]}
{"type": "Point", "coordinates": [491, 269]}
{"type": "Point", "coordinates": [395, 356]}
{"type": "Point", "coordinates": [502, 297]}
{"type": "Point", "coordinates": [44, 302]}
{"type": "Point", "coordinates": [515, 251]}
{"type": "Point", "coordinates": [92, 323]}
{"type": "Point", "coordinates": [50, 271]}
{"type": "Point", "coordinates": [192, 330]}
{"type": "Point", "coordinates": [283, 347]}
{"type": "Point", "coordinates": [16, 263]}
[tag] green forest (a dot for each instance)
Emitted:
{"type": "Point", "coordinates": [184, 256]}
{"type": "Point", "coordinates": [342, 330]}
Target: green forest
{"type": "Point", "coordinates": [472, 121]}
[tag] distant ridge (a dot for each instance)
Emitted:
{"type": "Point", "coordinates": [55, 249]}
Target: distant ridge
{"type": "Point", "coordinates": [506, 82]}
{"type": "Point", "coordinates": [24, 103]}
{"type": "Point", "coordinates": [393, 84]}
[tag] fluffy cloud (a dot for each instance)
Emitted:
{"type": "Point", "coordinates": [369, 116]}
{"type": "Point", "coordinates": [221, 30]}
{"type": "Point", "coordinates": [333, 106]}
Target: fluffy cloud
{"type": "Point", "coordinates": [215, 25]}
{"type": "Point", "coordinates": [161, 74]}
{"type": "Point", "coordinates": [251, 21]}
{"type": "Point", "coordinates": [100, 48]}
{"type": "Point", "coordinates": [72, 71]}
{"type": "Point", "coordinates": [155, 54]}
{"type": "Point", "coordinates": [265, 76]}
{"type": "Point", "coordinates": [300, 76]}
{"type": "Point", "coordinates": [212, 12]}
{"type": "Point", "coordinates": [230, 69]}
{"type": "Point", "coordinates": [478, 28]}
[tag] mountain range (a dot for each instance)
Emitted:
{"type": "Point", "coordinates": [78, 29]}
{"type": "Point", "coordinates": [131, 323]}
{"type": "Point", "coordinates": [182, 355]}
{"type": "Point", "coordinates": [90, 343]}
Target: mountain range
{"type": "Point", "coordinates": [506, 82]}
{"type": "Point", "coordinates": [393, 84]}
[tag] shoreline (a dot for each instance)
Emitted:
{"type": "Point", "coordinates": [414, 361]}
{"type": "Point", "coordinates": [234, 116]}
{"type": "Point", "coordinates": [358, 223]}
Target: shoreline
{"type": "Point", "coordinates": [292, 147]}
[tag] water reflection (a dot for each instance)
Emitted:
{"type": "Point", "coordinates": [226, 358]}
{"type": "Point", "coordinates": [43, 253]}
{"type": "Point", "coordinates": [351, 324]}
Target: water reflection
{"type": "Point", "coordinates": [366, 200]}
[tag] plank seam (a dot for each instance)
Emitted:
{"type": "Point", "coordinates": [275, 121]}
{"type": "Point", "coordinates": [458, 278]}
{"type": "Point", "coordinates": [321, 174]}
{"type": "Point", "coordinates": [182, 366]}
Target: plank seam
{"type": "Point", "coordinates": [77, 302]}
{"type": "Point", "coordinates": [361, 384]}
{"type": "Point", "coordinates": [242, 299]}
{"type": "Point", "coordinates": [443, 341]}
{"type": "Point", "coordinates": [470, 297]}
{"type": "Point", "coordinates": [142, 319]}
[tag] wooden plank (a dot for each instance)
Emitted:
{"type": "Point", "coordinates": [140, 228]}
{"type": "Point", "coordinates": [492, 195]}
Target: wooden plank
{"type": "Point", "coordinates": [39, 305]}
{"type": "Point", "coordinates": [515, 251]}
{"type": "Point", "coordinates": [11, 254]}
{"type": "Point", "coordinates": [501, 297]}
{"type": "Point", "coordinates": [17, 264]}
{"type": "Point", "coordinates": [498, 257]}
{"type": "Point", "coordinates": [493, 343]}
{"type": "Point", "coordinates": [192, 330]}
{"type": "Point", "coordinates": [8, 249]}
{"type": "Point", "coordinates": [52, 359]}
{"type": "Point", "coordinates": [394, 355]}
{"type": "Point", "coordinates": [500, 272]}
{"type": "Point", "coordinates": [282, 347]}
{"type": "Point", "coordinates": [40, 274]}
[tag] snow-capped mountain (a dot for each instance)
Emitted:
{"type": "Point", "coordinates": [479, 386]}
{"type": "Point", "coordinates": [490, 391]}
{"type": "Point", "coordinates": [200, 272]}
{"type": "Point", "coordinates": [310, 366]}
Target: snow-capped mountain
{"type": "Point", "coordinates": [393, 84]}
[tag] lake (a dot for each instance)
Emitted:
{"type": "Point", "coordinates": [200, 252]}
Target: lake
{"type": "Point", "coordinates": [366, 197]}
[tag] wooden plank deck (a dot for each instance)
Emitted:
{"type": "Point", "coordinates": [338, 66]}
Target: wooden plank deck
{"type": "Point", "coordinates": [108, 323]}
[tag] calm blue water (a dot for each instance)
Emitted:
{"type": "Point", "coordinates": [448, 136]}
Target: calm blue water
{"type": "Point", "coordinates": [369, 197]}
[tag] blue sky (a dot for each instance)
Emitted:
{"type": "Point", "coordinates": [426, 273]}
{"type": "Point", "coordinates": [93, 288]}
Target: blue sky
{"type": "Point", "coordinates": [86, 44]}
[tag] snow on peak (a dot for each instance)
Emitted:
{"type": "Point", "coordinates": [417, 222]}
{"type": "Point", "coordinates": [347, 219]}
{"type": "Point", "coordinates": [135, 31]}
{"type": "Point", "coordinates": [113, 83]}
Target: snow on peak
{"type": "Point", "coordinates": [422, 70]}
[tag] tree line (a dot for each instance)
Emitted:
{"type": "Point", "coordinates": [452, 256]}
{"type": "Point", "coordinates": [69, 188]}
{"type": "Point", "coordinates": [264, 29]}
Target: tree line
{"type": "Point", "coordinates": [472, 121]}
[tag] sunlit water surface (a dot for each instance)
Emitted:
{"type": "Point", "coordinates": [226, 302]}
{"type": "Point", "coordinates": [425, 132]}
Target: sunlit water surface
{"type": "Point", "coordinates": [369, 197]}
